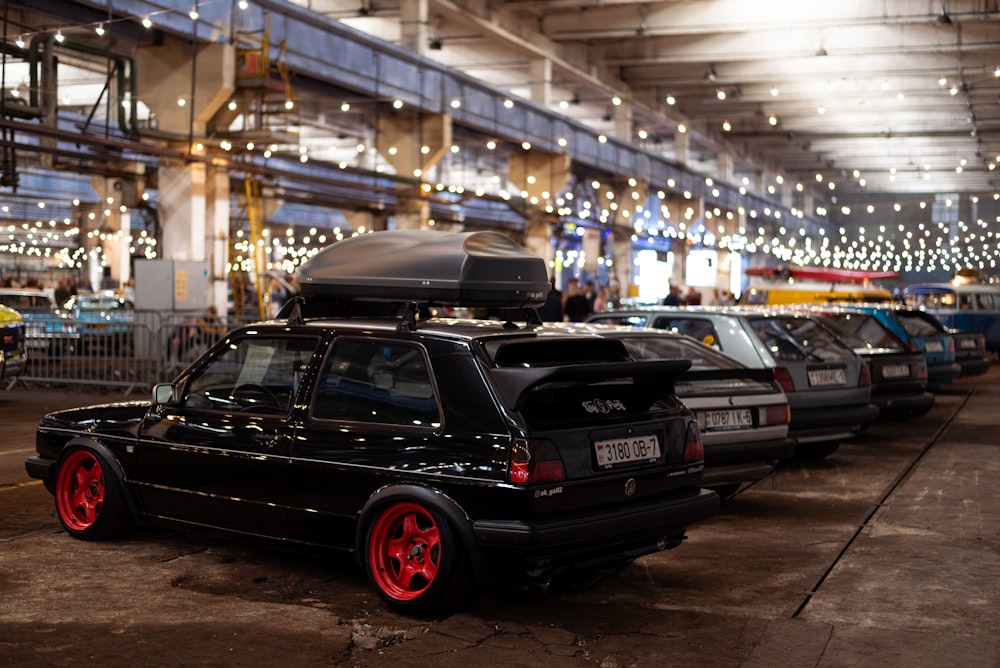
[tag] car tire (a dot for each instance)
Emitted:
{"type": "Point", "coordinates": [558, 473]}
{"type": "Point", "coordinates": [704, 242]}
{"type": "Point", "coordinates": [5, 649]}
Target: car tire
{"type": "Point", "coordinates": [415, 560]}
{"type": "Point", "coordinates": [90, 496]}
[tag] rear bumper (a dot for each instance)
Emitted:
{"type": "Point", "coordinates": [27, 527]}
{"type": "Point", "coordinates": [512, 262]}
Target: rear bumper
{"type": "Point", "coordinates": [974, 367]}
{"type": "Point", "coordinates": [903, 405]}
{"type": "Point", "coordinates": [41, 468]}
{"type": "Point", "coordinates": [942, 374]}
{"type": "Point", "coordinates": [830, 423]}
{"type": "Point", "coordinates": [631, 529]}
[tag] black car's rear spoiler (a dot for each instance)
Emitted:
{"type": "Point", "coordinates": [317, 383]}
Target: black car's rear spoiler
{"type": "Point", "coordinates": [514, 383]}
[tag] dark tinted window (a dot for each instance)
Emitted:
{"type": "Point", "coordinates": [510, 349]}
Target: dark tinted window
{"type": "Point", "coordinates": [918, 323]}
{"type": "Point", "coordinates": [795, 338]}
{"type": "Point", "coordinates": [255, 375]}
{"type": "Point", "coordinates": [674, 347]}
{"type": "Point", "coordinates": [861, 330]}
{"type": "Point", "coordinates": [553, 351]}
{"type": "Point", "coordinates": [377, 381]}
{"type": "Point", "coordinates": [697, 328]}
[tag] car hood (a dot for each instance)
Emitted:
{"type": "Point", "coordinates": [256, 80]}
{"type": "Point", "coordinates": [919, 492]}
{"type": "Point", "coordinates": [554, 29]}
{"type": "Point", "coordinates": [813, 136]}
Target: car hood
{"type": "Point", "coordinates": [120, 418]}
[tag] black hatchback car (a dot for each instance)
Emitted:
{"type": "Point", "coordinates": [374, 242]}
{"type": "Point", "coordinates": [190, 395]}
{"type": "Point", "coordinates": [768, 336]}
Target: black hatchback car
{"type": "Point", "coordinates": [436, 452]}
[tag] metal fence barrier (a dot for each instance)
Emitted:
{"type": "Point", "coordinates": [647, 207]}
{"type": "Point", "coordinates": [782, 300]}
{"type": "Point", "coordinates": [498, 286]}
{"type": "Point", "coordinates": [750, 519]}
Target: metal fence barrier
{"type": "Point", "coordinates": [128, 355]}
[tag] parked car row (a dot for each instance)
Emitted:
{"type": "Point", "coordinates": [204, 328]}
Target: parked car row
{"type": "Point", "coordinates": [441, 453]}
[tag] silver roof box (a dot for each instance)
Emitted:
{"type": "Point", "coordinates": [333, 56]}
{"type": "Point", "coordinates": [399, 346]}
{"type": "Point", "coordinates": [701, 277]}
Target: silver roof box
{"type": "Point", "coordinates": [427, 267]}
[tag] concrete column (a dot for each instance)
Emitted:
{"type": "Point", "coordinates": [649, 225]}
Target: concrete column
{"type": "Point", "coordinates": [538, 239]}
{"type": "Point", "coordinates": [366, 220]}
{"type": "Point", "coordinates": [194, 218]}
{"type": "Point", "coordinates": [725, 166]}
{"type": "Point", "coordinates": [166, 78]}
{"type": "Point", "coordinates": [413, 16]}
{"type": "Point", "coordinates": [540, 175]}
{"type": "Point", "coordinates": [116, 231]}
{"type": "Point", "coordinates": [541, 81]}
{"type": "Point", "coordinates": [412, 214]}
{"type": "Point", "coordinates": [623, 283]}
{"type": "Point", "coordinates": [217, 215]}
{"type": "Point", "coordinates": [623, 121]}
{"type": "Point", "coordinates": [682, 147]}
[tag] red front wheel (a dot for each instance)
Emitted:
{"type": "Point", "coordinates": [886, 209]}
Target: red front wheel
{"type": "Point", "coordinates": [414, 559]}
{"type": "Point", "coordinates": [90, 502]}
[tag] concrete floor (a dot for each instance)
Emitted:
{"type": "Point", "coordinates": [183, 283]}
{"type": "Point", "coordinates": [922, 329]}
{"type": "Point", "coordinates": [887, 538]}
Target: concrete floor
{"type": "Point", "coordinates": [887, 553]}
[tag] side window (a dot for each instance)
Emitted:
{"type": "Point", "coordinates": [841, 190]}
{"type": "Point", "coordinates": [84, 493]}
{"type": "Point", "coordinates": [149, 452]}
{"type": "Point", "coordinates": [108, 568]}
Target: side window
{"type": "Point", "coordinates": [252, 375]}
{"type": "Point", "coordinates": [986, 302]}
{"type": "Point", "coordinates": [696, 328]}
{"type": "Point", "coordinates": [385, 382]}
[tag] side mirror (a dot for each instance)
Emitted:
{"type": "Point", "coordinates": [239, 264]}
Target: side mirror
{"type": "Point", "coordinates": [164, 393]}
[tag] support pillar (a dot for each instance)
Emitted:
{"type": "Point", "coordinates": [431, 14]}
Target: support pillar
{"type": "Point", "coordinates": [413, 15]}
{"type": "Point", "coordinates": [623, 118]}
{"type": "Point", "coordinates": [541, 81]}
{"type": "Point", "coordinates": [166, 80]}
{"type": "Point", "coordinates": [413, 144]}
{"type": "Point", "coordinates": [682, 147]}
{"type": "Point", "coordinates": [538, 240]}
{"type": "Point", "coordinates": [194, 216]}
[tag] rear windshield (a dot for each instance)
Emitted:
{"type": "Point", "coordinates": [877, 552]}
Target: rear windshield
{"type": "Point", "coordinates": [862, 330]}
{"type": "Point", "coordinates": [799, 338]}
{"type": "Point", "coordinates": [553, 351]}
{"type": "Point", "coordinates": [675, 347]}
{"type": "Point", "coordinates": [575, 404]}
{"type": "Point", "coordinates": [918, 323]}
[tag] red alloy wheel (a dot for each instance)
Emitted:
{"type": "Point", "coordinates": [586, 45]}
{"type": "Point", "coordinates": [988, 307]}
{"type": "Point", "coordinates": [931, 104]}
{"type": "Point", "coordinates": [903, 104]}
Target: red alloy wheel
{"type": "Point", "coordinates": [80, 490]}
{"type": "Point", "coordinates": [404, 552]}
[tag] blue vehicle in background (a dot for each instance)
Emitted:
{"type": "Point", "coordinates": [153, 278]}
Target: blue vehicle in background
{"type": "Point", "coordinates": [925, 334]}
{"type": "Point", "coordinates": [48, 328]}
{"type": "Point", "coordinates": [103, 320]}
{"type": "Point", "coordinates": [969, 307]}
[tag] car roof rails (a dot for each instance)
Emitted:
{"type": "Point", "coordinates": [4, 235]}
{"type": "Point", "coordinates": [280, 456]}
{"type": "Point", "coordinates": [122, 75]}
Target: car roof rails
{"type": "Point", "coordinates": [398, 273]}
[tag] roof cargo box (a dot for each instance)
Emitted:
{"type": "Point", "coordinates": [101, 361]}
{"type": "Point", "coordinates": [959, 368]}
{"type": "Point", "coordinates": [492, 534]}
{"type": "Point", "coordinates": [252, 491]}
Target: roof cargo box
{"type": "Point", "coordinates": [427, 267]}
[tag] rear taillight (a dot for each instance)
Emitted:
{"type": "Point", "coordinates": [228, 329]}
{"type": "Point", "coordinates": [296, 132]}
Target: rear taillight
{"type": "Point", "coordinates": [951, 345]}
{"type": "Point", "coordinates": [865, 377]}
{"type": "Point", "coordinates": [775, 415]}
{"type": "Point", "coordinates": [535, 463]}
{"type": "Point", "coordinates": [922, 370]}
{"type": "Point", "coordinates": [784, 379]}
{"type": "Point", "coordinates": [694, 449]}
{"type": "Point", "coordinates": [912, 346]}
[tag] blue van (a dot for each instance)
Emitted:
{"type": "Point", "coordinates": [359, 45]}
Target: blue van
{"type": "Point", "coordinates": [972, 307]}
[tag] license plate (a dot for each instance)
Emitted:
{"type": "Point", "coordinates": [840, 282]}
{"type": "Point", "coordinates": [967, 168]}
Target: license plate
{"type": "Point", "coordinates": [934, 346]}
{"type": "Point", "coordinates": [896, 371]}
{"type": "Point", "coordinates": [614, 451]}
{"type": "Point", "coordinates": [965, 344]}
{"type": "Point", "coordinates": [821, 377]}
{"type": "Point", "coordinates": [726, 419]}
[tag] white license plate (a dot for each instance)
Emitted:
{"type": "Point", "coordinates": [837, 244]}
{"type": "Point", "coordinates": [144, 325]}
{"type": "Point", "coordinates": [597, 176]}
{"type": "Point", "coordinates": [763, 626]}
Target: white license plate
{"type": "Point", "coordinates": [934, 346]}
{"type": "Point", "coordinates": [823, 377]}
{"type": "Point", "coordinates": [614, 451]}
{"type": "Point", "coordinates": [965, 344]}
{"type": "Point", "coordinates": [726, 419]}
{"type": "Point", "coordinates": [896, 371]}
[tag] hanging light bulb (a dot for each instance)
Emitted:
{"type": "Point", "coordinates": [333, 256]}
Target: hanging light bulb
{"type": "Point", "coordinates": [99, 30]}
{"type": "Point", "coordinates": [59, 36]}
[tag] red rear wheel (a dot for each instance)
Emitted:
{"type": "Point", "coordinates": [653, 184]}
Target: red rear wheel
{"type": "Point", "coordinates": [80, 490]}
{"type": "Point", "coordinates": [404, 551]}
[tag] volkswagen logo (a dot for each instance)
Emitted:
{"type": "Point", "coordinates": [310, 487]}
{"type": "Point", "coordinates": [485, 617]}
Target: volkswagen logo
{"type": "Point", "coordinates": [630, 486]}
